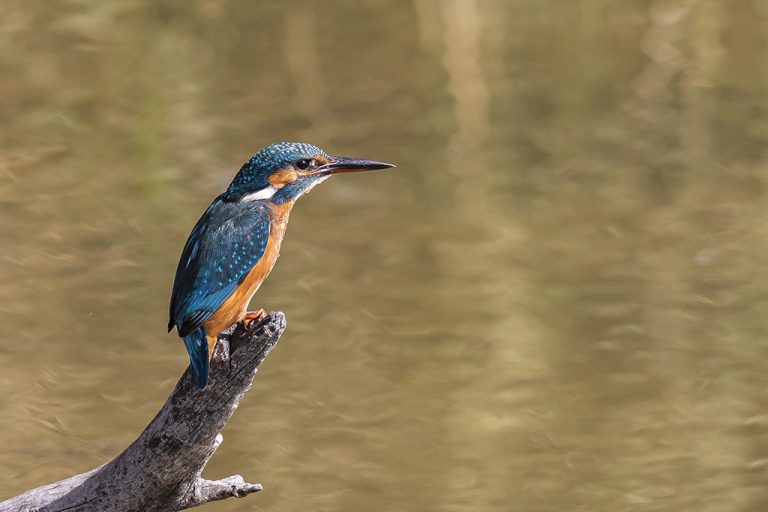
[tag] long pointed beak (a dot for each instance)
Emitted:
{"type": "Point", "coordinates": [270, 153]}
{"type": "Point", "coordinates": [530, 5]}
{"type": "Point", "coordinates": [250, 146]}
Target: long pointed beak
{"type": "Point", "coordinates": [342, 164]}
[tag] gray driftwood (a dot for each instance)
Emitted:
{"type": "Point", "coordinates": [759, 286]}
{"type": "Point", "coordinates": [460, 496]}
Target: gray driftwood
{"type": "Point", "coordinates": [161, 470]}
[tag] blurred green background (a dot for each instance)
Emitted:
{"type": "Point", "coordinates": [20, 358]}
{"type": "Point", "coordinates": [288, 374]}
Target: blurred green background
{"type": "Point", "coordinates": [557, 301]}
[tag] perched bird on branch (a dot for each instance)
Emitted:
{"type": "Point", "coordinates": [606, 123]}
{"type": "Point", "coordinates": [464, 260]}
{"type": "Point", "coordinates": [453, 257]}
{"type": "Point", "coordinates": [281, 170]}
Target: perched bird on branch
{"type": "Point", "coordinates": [233, 247]}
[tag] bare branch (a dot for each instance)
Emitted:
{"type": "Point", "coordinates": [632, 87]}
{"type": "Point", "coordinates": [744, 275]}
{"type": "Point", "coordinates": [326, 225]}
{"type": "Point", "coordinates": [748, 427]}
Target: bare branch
{"type": "Point", "coordinates": [161, 470]}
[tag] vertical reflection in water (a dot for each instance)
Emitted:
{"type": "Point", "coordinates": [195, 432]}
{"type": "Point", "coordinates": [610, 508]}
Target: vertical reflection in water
{"type": "Point", "coordinates": [498, 345]}
{"type": "Point", "coordinates": [655, 92]}
{"type": "Point", "coordinates": [467, 85]}
{"type": "Point", "coordinates": [697, 102]}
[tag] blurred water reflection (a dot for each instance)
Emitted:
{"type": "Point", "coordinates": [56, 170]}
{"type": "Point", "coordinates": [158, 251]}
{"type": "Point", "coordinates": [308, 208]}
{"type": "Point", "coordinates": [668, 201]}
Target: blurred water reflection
{"type": "Point", "coordinates": [554, 303]}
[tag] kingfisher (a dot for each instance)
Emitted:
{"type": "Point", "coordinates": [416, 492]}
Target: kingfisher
{"type": "Point", "coordinates": [233, 247]}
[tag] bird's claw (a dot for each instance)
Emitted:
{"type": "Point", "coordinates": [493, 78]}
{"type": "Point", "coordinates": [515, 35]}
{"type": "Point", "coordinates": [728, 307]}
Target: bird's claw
{"type": "Point", "coordinates": [253, 316]}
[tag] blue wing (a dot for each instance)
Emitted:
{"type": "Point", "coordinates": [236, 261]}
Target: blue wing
{"type": "Point", "coordinates": [225, 244]}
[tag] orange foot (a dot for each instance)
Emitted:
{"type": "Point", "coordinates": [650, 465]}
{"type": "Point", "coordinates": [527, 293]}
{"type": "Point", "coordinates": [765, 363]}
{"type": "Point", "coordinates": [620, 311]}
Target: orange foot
{"type": "Point", "coordinates": [253, 316]}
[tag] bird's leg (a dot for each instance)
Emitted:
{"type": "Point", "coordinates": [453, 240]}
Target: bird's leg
{"type": "Point", "coordinates": [211, 345]}
{"type": "Point", "coordinates": [253, 316]}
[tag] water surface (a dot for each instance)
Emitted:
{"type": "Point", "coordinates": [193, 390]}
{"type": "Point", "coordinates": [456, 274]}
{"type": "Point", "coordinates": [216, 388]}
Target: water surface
{"type": "Point", "coordinates": [557, 301]}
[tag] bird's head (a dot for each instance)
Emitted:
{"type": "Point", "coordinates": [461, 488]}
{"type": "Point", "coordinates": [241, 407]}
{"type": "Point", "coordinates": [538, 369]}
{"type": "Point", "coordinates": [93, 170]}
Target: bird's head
{"type": "Point", "coordinates": [284, 171]}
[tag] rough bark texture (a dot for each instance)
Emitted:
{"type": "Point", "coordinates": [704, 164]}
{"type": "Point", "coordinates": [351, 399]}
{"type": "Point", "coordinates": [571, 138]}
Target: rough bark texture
{"type": "Point", "coordinates": [161, 470]}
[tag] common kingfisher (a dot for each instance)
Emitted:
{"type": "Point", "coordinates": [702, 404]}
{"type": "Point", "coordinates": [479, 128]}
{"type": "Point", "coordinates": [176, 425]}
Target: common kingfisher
{"type": "Point", "coordinates": [233, 247]}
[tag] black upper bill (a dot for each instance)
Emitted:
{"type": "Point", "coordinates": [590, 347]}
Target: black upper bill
{"type": "Point", "coordinates": [341, 164]}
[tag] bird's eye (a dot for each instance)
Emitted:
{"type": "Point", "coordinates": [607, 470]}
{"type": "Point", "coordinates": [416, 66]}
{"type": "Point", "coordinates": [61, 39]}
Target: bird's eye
{"type": "Point", "coordinates": [303, 163]}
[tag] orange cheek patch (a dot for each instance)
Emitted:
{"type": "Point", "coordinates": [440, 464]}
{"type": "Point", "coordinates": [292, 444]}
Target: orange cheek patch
{"type": "Point", "coordinates": [282, 178]}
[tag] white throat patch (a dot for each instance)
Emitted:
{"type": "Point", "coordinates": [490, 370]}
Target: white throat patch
{"type": "Point", "coordinates": [265, 193]}
{"type": "Point", "coordinates": [268, 192]}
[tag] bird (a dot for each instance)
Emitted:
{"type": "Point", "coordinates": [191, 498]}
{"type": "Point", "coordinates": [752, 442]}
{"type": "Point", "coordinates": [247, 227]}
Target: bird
{"type": "Point", "coordinates": [236, 242]}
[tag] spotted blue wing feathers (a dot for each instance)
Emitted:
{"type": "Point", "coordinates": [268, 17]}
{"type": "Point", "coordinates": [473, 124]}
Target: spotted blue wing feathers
{"type": "Point", "coordinates": [225, 244]}
{"type": "Point", "coordinates": [188, 255]}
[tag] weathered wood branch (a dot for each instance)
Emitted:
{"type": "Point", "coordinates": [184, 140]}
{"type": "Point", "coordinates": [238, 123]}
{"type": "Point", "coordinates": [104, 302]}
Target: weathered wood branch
{"type": "Point", "coordinates": [161, 470]}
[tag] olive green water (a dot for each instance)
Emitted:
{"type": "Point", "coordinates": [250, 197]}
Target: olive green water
{"type": "Point", "coordinates": [558, 300]}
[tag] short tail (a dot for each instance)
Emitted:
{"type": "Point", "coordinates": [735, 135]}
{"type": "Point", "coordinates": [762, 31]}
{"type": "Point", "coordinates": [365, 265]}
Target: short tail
{"type": "Point", "coordinates": [197, 346]}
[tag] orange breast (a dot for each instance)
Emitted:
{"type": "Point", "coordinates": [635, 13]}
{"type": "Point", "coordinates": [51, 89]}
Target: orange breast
{"type": "Point", "coordinates": [234, 308]}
